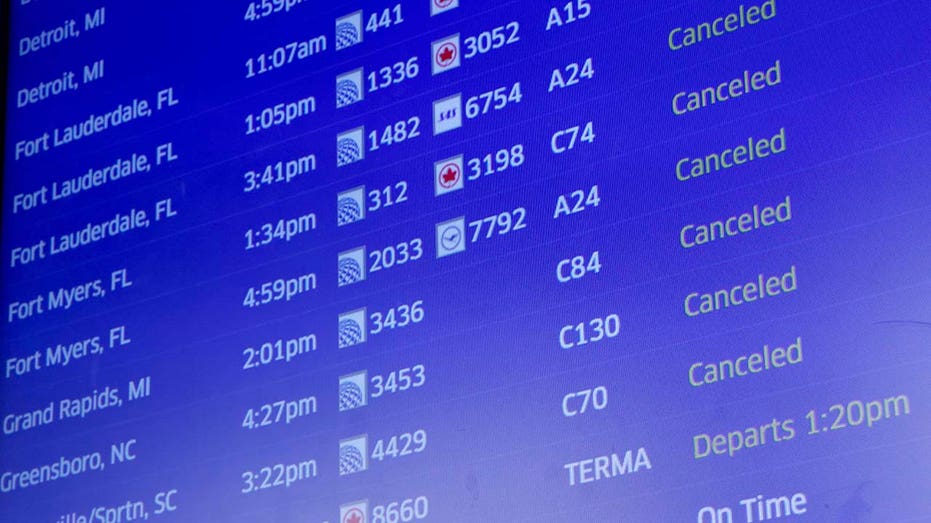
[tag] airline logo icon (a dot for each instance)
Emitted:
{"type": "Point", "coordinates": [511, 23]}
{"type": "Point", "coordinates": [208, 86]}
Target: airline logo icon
{"type": "Point", "coordinates": [349, 30]}
{"type": "Point", "coordinates": [351, 267]}
{"type": "Point", "coordinates": [353, 455]}
{"type": "Point", "coordinates": [450, 237]}
{"type": "Point", "coordinates": [353, 391]}
{"type": "Point", "coordinates": [349, 88]}
{"type": "Point", "coordinates": [446, 54]}
{"type": "Point", "coordinates": [447, 114]}
{"type": "Point", "coordinates": [448, 175]}
{"type": "Point", "coordinates": [352, 328]}
{"type": "Point", "coordinates": [350, 147]}
{"type": "Point", "coordinates": [356, 512]}
{"type": "Point", "coordinates": [441, 6]}
{"type": "Point", "coordinates": [350, 206]}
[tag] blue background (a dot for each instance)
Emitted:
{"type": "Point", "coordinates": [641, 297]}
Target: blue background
{"type": "Point", "coordinates": [855, 105]}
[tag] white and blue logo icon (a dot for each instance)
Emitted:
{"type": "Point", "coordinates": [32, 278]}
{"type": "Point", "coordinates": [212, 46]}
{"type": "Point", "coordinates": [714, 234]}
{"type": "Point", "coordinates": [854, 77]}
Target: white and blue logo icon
{"type": "Point", "coordinates": [350, 206]}
{"type": "Point", "coordinates": [352, 328]}
{"type": "Point", "coordinates": [353, 391]}
{"type": "Point", "coordinates": [353, 455]}
{"type": "Point", "coordinates": [350, 147]}
{"type": "Point", "coordinates": [447, 114]}
{"type": "Point", "coordinates": [349, 88]}
{"type": "Point", "coordinates": [349, 30]}
{"type": "Point", "coordinates": [450, 237]}
{"type": "Point", "coordinates": [351, 267]}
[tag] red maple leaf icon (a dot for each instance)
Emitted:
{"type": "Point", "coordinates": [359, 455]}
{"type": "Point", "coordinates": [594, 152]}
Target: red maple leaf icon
{"type": "Point", "coordinates": [447, 54]}
{"type": "Point", "coordinates": [450, 176]}
{"type": "Point", "coordinates": [354, 516]}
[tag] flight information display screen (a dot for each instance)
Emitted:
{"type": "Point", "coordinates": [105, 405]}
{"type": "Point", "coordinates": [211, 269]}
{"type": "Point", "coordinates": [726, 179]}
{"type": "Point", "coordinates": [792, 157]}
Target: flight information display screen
{"type": "Point", "coordinates": [393, 261]}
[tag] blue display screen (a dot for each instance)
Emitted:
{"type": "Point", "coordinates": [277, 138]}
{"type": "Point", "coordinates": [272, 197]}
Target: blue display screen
{"type": "Point", "coordinates": [466, 261]}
